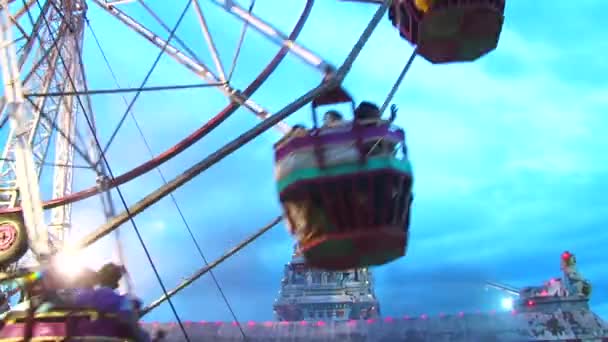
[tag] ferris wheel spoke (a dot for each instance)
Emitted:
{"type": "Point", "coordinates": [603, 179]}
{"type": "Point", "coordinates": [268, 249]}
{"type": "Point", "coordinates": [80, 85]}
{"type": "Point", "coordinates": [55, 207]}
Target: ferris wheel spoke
{"type": "Point", "coordinates": [175, 37]}
{"type": "Point", "coordinates": [123, 90]}
{"type": "Point", "coordinates": [397, 83]}
{"type": "Point", "coordinates": [199, 69]}
{"type": "Point", "coordinates": [274, 34]}
{"type": "Point", "coordinates": [210, 266]}
{"type": "Point", "coordinates": [239, 45]}
{"type": "Point", "coordinates": [210, 43]}
{"type": "Point", "coordinates": [164, 48]}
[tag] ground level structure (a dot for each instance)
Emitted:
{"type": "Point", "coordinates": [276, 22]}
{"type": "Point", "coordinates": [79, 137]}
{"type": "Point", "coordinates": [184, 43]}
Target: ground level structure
{"type": "Point", "coordinates": [574, 325]}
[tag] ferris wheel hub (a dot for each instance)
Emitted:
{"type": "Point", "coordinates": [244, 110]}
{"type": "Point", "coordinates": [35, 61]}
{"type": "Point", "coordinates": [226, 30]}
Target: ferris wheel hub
{"type": "Point", "coordinates": [8, 235]}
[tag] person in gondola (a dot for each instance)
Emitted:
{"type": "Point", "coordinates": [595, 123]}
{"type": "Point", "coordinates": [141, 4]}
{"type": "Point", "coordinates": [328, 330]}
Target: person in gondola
{"type": "Point", "coordinates": [367, 111]}
{"type": "Point", "coordinates": [105, 298]}
{"type": "Point", "coordinates": [101, 294]}
{"type": "Point", "coordinates": [394, 110]}
{"type": "Point", "coordinates": [296, 131]}
{"type": "Point", "coordinates": [366, 114]}
{"type": "Point", "coordinates": [109, 275]}
{"type": "Point", "coordinates": [332, 119]}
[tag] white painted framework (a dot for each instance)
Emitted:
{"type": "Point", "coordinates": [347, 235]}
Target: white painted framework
{"type": "Point", "coordinates": [50, 62]}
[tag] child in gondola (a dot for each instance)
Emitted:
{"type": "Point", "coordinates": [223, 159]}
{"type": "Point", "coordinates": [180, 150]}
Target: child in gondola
{"type": "Point", "coordinates": [332, 119]}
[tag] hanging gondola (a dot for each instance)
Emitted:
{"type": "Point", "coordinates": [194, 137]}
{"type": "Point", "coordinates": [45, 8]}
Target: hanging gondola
{"type": "Point", "coordinates": [346, 189]}
{"type": "Point", "coordinates": [449, 30]}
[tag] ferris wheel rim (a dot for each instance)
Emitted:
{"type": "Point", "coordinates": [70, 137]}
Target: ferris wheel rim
{"type": "Point", "coordinates": [189, 140]}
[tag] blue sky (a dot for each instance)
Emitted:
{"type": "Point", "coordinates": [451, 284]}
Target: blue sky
{"type": "Point", "coordinates": [508, 151]}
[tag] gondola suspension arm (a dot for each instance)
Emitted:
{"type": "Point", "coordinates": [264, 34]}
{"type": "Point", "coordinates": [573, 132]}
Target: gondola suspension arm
{"type": "Point", "coordinates": [395, 87]}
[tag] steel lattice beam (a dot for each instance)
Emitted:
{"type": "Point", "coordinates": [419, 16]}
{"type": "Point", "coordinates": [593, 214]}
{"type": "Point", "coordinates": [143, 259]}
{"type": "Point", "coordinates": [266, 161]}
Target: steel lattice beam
{"type": "Point", "coordinates": [55, 43]}
{"type": "Point", "coordinates": [54, 67]}
{"type": "Point", "coordinates": [20, 178]}
{"type": "Point", "coordinates": [202, 70]}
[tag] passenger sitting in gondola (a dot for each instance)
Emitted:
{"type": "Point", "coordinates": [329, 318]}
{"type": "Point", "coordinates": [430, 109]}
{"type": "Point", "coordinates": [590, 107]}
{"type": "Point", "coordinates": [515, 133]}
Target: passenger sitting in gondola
{"type": "Point", "coordinates": [51, 287]}
{"type": "Point", "coordinates": [105, 282]}
{"type": "Point", "coordinates": [105, 299]}
{"type": "Point", "coordinates": [332, 119]}
{"type": "Point", "coordinates": [109, 275]}
{"type": "Point", "coordinates": [92, 290]}
{"type": "Point", "coordinates": [296, 131]}
{"type": "Point", "coordinates": [367, 112]}
{"type": "Point", "coordinates": [48, 291]}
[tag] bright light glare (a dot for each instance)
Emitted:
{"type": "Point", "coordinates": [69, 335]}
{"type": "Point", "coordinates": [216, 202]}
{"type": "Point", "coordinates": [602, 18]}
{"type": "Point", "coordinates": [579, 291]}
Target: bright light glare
{"type": "Point", "coordinates": [68, 264]}
{"type": "Point", "coordinates": [507, 303]}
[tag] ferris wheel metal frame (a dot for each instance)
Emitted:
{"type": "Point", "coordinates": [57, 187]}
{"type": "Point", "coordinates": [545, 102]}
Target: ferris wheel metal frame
{"type": "Point", "coordinates": [40, 101]}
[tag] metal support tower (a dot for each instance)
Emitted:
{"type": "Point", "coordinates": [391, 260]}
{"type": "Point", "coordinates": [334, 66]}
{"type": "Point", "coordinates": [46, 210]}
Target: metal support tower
{"type": "Point", "coordinates": [49, 61]}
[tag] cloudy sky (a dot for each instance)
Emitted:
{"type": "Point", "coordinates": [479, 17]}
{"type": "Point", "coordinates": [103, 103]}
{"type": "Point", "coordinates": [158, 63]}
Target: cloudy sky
{"type": "Point", "coordinates": [508, 151]}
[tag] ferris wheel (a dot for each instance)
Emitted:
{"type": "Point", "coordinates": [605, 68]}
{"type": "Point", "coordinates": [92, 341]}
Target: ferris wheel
{"type": "Point", "coordinates": [49, 122]}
